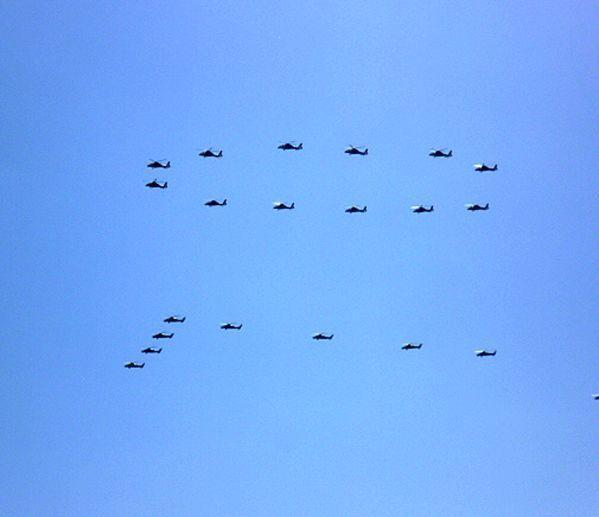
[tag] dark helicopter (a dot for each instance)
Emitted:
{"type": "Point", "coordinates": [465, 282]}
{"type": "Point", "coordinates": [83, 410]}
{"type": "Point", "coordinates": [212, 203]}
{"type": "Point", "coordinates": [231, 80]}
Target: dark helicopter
{"type": "Point", "coordinates": [134, 365]}
{"type": "Point", "coordinates": [209, 153]}
{"type": "Point", "coordinates": [440, 153]}
{"type": "Point", "coordinates": [231, 326]}
{"type": "Point", "coordinates": [419, 209]}
{"type": "Point", "coordinates": [412, 346]}
{"type": "Point", "coordinates": [596, 396]}
{"type": "Point", "coordinates": [356, 209]}
{"type": "Point", "coordinates": [476, 208]}
{"type": "Point", "coordinates": [162, 335]}
{"type": "Point", "coordinates": [151, 350]}
{"type": "Point", "coordinates": [484, 353]}
{"type": "Point", "coordinates": [214, 202]}
{"type": "Point", "coordinates": [174, 319]}
{"type": "Point", "coordinates": [278, 205]}
{"type": "Point", "coordinates": [154, 164]}
{"type": "Point", "coordinates": [320, 336]}
{"type": "Point", "coordinates": [288, 146]}
{"type": "Point", "coordinates": [362, 151]}
{"type": "Point", "coordinates": [155, 184]}
{"type": "Point", "coordinates": [481, 167]}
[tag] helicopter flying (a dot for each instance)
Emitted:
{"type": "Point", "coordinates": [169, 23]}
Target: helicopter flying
{"type": "Point", "coordinates": [231, 326]}
{"type": "Point", "coordinates": [155, 184]}
{"type": "Point", "coordinates": [320, 336]}
{"type": "Point", "coordinates": [596, 396]}
{"type": "Point", "coordinates": [419, 209]}
{"type": "Point", "coordinates": [278, 205]}
{"type": "Point", "coordinates": [289, 146]}
{"type": "Point", "coordinates": [484, 353]}
{"type": "Point", "coordinates": [481, 167]}
{"type": "Point", "coordinates": [476, 208]}
{"type": "Point", "coordinates": [151, 350]}
{"type": "Point", "coordinates": [131, 364]}
{"type": "Point", "coordinates": [214, 202]}
{"type": "Point", "coordinates": [209, 153]}
{"type": "Point", "coordinates": [412, 346]}
{"type": "Point", "coordinates": [362, 151]}
{"type": "Point", "coordinates": [162, 335]}
{"type": "Point", "coordinates": [356, 209]}
{"type": "Point", "coordinates": [440, 153]}
{"type": "Point", "coordinates": [174, 319]}
{"type": "Point", "coordinates": [157, 164]}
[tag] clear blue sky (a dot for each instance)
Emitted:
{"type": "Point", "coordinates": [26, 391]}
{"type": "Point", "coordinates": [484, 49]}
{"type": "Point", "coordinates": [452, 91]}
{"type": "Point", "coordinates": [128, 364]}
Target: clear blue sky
{"type": "Point", "coordinates": [265, 421]}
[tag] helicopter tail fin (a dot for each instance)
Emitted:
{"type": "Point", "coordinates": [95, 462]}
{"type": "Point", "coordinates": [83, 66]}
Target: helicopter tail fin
{"type": "Point", "coordinates": [432, 208]}
{"type": "Point", "coordinates": [159, 350]}
{"type": "Point", "coordinates": [165, 184]}
{"type": "Point", "coordinates": [183, 319]}
{"type": "Point", "coordinates": [168, 165]}
{"type": "Point", "coordinates": [449, 154]}
{"type": "Point", "coordinates": [301, 146]}
{"type": "Point", "coordinates": [495, 167]}
{"type": "Point", "coordinates": [365, 208]}
{"type": "Point", "coordinates": [225, 202]}
{"type": "Point", "coordinates": [292, 205]}
{"type": "Point", "coordinates": [487, 206]}
{"type": "Point", "coordinates": [220, 154]}
{"type": "Point", "coordinates": [365, 151]}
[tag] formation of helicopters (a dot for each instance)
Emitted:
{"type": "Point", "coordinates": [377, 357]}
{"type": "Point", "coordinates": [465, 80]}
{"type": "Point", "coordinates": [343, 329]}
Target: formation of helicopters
{"type": "Point", "coordinates": [158, 335]}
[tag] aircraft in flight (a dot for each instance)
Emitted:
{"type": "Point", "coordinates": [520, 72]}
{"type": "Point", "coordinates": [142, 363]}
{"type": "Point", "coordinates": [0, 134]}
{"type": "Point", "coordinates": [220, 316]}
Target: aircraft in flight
{"type": "Point", "coordinates": [484, 353]}
{"type": "Point", "coordinates": [174, 319]}
{"type": "Point", "coordinates": [134, 365]}
{"type": "Point", "coordinates": [231, 326]}
{"type": "Point", "coordinates": [209, 153]}
{"type": "Point", "coordinates": [441, 153]}
{"type": "Point", "coordinates": [151, 350]}
{"type": "Point", "coordinates": [155, 184]}
{"type": "Point", "coordinates": [362, 151]}
{"type": "Point", "coordinates": [320, 336]}
{"type": "Point", "coordinates": [157, 164]}
{"type": "Point", "coordinates": [412, 346]}
{"type": "Point", "coordinates": [278, 205]}
{"type": "Point", "coordinates": [162, 335]}
{"type": "Point", "coordinates": [289, 146]}
{"type": "Point", "coordinates": [419, 209]}
{"type": "Point", "coordinates": [356, 209]}
{"type": "Point", "coordinates": [476, 208]}
{"type": "Point", "coordinates": [214, 202]}
{"type": "Point", "coordinates": [481, 167]}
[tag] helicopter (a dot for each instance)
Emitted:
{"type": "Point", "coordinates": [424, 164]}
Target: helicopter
{"type": "Point", "coordinates": [278, 205]}
{"type": "Point", "coordinates": [412, 346]}
{"type": "Point", "coordinates": [288, 146]}
{"type": "Point", "coordinates": [151, 350]}
{"type": "Point", "coordinates": [320, 336]}
{"type": "Point", "coordinates": [419, 209]}
{"type": "Point", "coordinates": [231, 326]}
{"type": "Point", "coordinates": [484, 353]}
{"type": "Point", "coordinates": [440, 153]}
{"type": "Point", "coordinates": [162, 335]}
{"type": "Point", "coordinates": [476, 208]}
{"type": "Point", "coordinates": [157, 164]}
{"type": "Point", "coordinates": [362, 151]}
{"type": "Point", "coordinates": [209, 153]}
{"type": "Point", "coordinates": [131, 364]}
{"type": "Point", "coordinates": [155, 184]}
{"type": "Point", "coordinates": [356, 209]}
{"type": "Point", "coordinates": [214, 202]}
{"type": "Point", "coordinates": [481, 167]}
{"type": "Point", "coordinates": [174, 319]}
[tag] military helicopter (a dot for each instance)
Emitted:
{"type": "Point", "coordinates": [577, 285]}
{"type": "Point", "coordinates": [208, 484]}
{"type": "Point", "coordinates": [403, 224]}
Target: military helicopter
{"type": "Point", "coordinates": [484, 353]}
{"type": "Point", "coordinates": [134, 365]}
{"type": "Point", "coordinates": [214, 202]}
{"type": "Point", "coordinates": [356, 209]}
{"type": "Point", "coordinates": [151, 350]}
{"type": "Point", "coordinates": [440, 153]}
{"type": "Point", "coordinates": [320, 336]}
{"type": "Point", "coordinates": [289, 146]}
{"type": "Point", "coordinates": [155, 184]}
{"type": "Point", "coordinates": [278, 205]}
{"type": "Point", "coordinates": [596, 396]}
{"type": "Point", "coordinates": [476, 208]}
{"type": "Point", "coordinates": [412, 346]}
{"type": "Point", "coordinates": [162, 335]}
{"type": "Point", "coordinates": [209, 153]}
{"type": "Point", "coordinates": [174, 319]}
{"type": "Point", "coordinates": [481, 167]}
{"type": "Point", "coordinates": [419, 209]}
{"type": "Point", "coordinates": [155, 164]}
{"type": "Point", "coordinates": [362, 151]}
{"type": "Point", "coordinates": [231, 326]}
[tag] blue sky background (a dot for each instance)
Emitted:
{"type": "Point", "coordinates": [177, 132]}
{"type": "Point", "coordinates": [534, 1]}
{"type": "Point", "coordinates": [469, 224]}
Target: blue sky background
{"type": "Point", "coordinates": [266, 421]}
